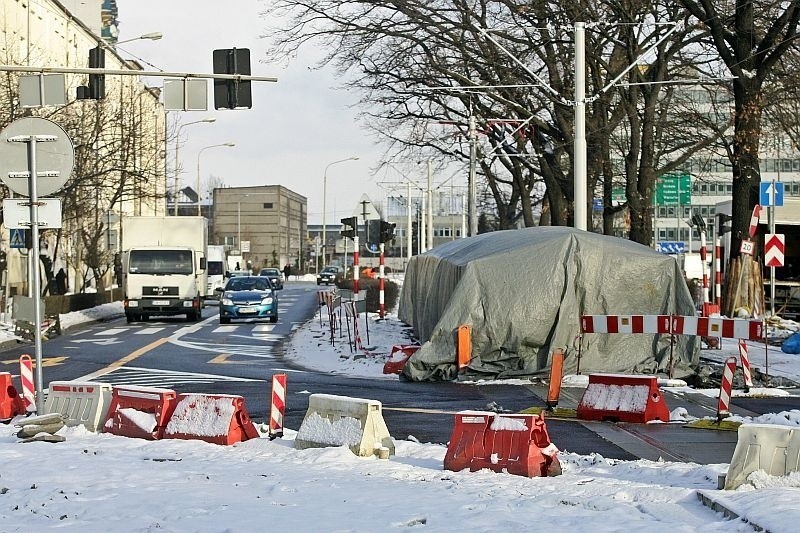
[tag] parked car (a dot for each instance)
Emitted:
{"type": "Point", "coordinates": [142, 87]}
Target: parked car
{"type": "Point", "coordinates": [248, 297]}
{"type": "Point", "coordinates": [329, 275]}
{"type": "Point", "coordinates": [275, 275]}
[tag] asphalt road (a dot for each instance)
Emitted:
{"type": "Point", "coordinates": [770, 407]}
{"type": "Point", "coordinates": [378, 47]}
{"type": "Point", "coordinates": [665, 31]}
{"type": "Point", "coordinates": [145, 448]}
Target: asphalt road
{"type": "Point", "coordinates": [240, 358]}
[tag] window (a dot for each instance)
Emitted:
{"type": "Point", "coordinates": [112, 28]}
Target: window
{"type": "Point", "coordinates": [267, 205]}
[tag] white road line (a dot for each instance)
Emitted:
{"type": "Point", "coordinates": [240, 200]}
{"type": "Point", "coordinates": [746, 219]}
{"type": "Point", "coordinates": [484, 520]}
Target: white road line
{"type": "Point", "coordinates": [264, 328]}
{"type": "Point", "coordinates": [148, 331]}
{"type": "Point", "coordinates": [225, 329]}
{"type": "Point", "coordinates": [112, 331]}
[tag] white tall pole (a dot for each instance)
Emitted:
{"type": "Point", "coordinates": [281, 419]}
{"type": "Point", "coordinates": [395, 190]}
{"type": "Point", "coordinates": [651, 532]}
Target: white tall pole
{"type": "Point", "coordinates": [423, 239]}
{"type": "Point", "coordinates": [409, 226]}
{"type": "Point", "coordinates": [430, 205]}
{"type": "Point", "coordinates": [579, 178]}
{"type": "Point", "coordinates": [228, 144]}
{"type": "Point", "coordinates": [473, 195]}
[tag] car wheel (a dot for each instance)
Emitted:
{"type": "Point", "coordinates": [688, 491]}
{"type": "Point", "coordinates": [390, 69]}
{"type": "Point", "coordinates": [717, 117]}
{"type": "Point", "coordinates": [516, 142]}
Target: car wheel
{"type": "Point", "coordinates": [129, 318]}
{"type": "Point", "coordinates": [224, 320]}
{"type": "Point", "coordinates": [273, 319]}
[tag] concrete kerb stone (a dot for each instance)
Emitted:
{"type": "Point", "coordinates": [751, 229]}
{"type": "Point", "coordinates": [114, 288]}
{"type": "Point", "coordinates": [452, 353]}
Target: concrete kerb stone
{"type": "Point", "coordinates": [342, 421]}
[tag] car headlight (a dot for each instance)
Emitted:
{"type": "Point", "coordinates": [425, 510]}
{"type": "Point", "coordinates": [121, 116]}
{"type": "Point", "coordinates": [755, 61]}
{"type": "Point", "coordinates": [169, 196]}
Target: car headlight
{"type": "Point", "coordinates": [226, 301]}
{"type": "Point", "coordinates": [267, 301]}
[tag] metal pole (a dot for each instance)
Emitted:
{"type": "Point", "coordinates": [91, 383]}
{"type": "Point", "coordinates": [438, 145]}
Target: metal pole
{"type": "Point", "coordinates": [473, 200]}
{"type": "Point", "coordinates": [34, 273]}
{"type": "Point", "coordinates": [409, 226]}
{"type": "Point", "coordinates": [381, 273]}
{"type": "Point", "coordinates": [239, 226]}
{"type": "Point", "coordinates": [430, 205]}
{"type": "Point", "coordinates": [580, 208]}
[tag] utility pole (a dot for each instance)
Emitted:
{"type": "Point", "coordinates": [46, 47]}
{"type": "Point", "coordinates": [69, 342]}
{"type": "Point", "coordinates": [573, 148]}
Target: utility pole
{"type": "Point", "coordinates": [473, 210]}
{"type": "Point", "coordinates": [430, 205]}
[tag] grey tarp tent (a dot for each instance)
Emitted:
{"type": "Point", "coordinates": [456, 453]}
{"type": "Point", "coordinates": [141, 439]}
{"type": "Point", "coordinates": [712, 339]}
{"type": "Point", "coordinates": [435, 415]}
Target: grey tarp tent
{"type": "Point", "coordinates": [523, 292]}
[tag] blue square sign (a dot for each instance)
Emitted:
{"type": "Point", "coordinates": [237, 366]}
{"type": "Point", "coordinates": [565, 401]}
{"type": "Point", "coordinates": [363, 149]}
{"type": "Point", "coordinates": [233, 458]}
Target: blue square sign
{"type": "Point", "coordinates": [17, 238]}
{"type": "Point", "coordinates": [771, 194]}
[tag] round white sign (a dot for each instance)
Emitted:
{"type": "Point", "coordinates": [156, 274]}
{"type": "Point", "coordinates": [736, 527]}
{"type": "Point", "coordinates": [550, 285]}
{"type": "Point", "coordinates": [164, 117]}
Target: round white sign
{"type": "Point", "coordinates": [55, 155]}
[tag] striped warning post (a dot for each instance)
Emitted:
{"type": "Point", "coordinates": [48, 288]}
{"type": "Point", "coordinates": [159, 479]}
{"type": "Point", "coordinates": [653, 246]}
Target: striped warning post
{"type": "Point", "coordinates": [351, 311]}
{"type": "Point", "coordinates": [718, 272]}
{"type": "Point", "coordinates": [381, 274]}
{"type": "Point", "coordinates": [748, 379]}
{"type": "Point", "coordinates": [278, 407]}
{"type": "Point", "coordinates": [26, 377]}
{"type": "Point", "coordinates": [725, 386]}
{"type": "Point", "coordinates": [704, 265]}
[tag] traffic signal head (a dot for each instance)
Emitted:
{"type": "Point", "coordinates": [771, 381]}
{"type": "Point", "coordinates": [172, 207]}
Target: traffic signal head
{"type": "Point", "coordinates": [699, 221]}
{"type": "Point", "coordinates": [386, 231]}
{"type": "Point", "coordinates": [351, 226]}
{"type": "Point", "coordinates": [232, 94]}
{"type": "Point", "coordinates": [723, 223]}
{"type": "Point", "coordinates": [96, 89]}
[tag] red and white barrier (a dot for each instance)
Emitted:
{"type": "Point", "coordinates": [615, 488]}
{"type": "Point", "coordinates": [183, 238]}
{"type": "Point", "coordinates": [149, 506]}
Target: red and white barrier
{"type": "Point", "coordinates": [704, 265]}
{"type": "Point", "coordinates": [11, 403]}
{"type": "Point", "coordinates": [748, 379]}
{"type": "Point", "coordinates": [381, 274]}
{"type": "Point", "coordinates": [277, 406]}
{"type": "Point", "coordinates": [28, 387]}
{"type": "Point", "coordinates": [718, 272]}
{"type": "Point", "coordinates": [730, 328]}
{"type": "Point", "coordinates": [351, 311]}
{"type": "Point", "coordinates": [215, 418]}
{"type": "Point", "coordinates": [723, 406]}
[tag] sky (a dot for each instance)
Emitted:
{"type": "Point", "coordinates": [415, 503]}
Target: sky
{"type": "Point", "coordinates": [296, 127]}
{"type": "Point", "coordinates": [102, 481]}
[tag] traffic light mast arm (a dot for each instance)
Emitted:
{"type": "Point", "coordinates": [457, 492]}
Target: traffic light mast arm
{"type": "Point", "coordinates": [122, 72]}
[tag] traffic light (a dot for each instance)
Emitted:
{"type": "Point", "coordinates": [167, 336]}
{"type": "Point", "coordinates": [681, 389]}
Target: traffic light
{"type": "Point", "coordinates": [352, 224]}
{"type": "Point", "coordinates": [373, 234]}
{"type": "Point", "coordinates": [386, 231]}
{"type": "Point", "coordinates": [723, 224]}
{"type": "Point", "coordinates": [96, 90]}
{"type": "Point", "coordinates": [699, 221]}
{"type": "Point", "coordinates": [232, 94]}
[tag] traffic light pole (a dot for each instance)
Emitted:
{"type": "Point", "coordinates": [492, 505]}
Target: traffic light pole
{"type": "Point", "coordinates": [381, 273]}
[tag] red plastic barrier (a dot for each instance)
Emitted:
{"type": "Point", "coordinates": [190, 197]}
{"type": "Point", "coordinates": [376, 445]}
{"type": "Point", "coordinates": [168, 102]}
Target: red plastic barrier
{"type": "Point", "coordinates": [517, 444]}
{"type": "Point", "coordinates": [11, 403]}
{"type": "Point", "coordinates": [214, 418]}
{"type": "Point", "coordinates": [398, 358]}
{"type": "Point", "coordinates": [139, 412]}
{"type": "Point", "coordinates": [623, 398]}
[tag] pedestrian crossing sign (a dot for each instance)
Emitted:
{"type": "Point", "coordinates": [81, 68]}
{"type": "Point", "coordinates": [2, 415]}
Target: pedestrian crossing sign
{"type": "Point", "coordinates": [17, 239]}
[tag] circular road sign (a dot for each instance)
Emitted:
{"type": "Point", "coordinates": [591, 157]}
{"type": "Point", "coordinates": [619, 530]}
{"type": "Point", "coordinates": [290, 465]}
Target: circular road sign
{"type": "Point", "coordinates": [55, 156]}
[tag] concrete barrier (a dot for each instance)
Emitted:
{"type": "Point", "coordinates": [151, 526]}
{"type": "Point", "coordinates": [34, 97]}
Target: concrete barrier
{"type": "Point", "coordinates": [80, 403]}
{"type": "Point", "coordinates": [772, 448]}
{"type": "Point", "coordinates": [342, 421]}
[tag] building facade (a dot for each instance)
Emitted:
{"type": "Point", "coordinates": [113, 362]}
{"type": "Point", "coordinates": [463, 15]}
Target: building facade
{"type": "Point", "coordinates": [267, 225]}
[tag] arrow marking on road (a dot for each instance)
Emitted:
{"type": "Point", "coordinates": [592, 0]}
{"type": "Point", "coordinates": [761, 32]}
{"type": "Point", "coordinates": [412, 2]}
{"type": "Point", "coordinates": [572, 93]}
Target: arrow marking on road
{"type": "Point", "coordinates": [101, 342]}
{"type": "Point", "coordinates": [47, 361]}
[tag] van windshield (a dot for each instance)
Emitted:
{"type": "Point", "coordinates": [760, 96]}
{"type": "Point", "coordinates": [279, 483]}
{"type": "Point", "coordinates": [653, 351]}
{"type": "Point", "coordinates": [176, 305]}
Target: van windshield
{"type": "Point", "coordinates": [160, 262]}
{"type": "Point", "coordinates": [215, 268]}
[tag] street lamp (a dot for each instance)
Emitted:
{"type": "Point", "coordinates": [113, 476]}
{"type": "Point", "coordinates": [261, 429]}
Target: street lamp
{"type": "Point", "coordinates": [229, 144]}
{"type": "Point", "coordinates": [176, 189]}
{"type": "Point", "coordinates": [152, 36]}
{"type": "Point", "coordinates": [324, 204]}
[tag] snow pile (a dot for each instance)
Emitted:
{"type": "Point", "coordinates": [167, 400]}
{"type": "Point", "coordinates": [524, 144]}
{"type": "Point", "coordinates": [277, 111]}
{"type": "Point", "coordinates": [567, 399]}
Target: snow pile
{"type": "Point", "coordinates": [201, 415]}
{"type": "Point", "coordinates": [628, 398]}
{"type": "Point", "coordinates": [784, 418]}
{"type": "Point", "coordinates": [345, 431]}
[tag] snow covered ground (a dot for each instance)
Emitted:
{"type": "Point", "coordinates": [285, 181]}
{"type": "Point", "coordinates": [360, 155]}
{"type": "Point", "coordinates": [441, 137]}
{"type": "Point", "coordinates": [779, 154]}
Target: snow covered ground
{"type": "Point", "coordinates": [104, 482]}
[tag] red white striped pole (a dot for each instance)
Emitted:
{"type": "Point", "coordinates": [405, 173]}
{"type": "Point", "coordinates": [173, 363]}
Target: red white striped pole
{"type": "Point", "coordinates": [723, 410]}
{"type": "Point", "coordinates": [703, 254]}
{"type": "Point", "coordinates": [26, 377]}
{"type": "Point", "coordinates": [718, 271]}
{"type": "Point", "coordinates": [381, 271]}
{"type": "Point", "coordinates": [748, 379]}
{"type": "Point", "coordinates": [356, 272]}
{"type": "Point", "coordinates": [278, 407]}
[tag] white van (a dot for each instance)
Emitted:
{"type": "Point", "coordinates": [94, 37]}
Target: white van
{"type": "Point", "coordinates": [217, 266]}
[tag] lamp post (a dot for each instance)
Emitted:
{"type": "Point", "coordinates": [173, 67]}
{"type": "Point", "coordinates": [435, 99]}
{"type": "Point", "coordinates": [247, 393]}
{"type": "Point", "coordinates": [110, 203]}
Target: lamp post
{"type": "Point", "coordinates": [176, 189]}
{"type": "Point", "coordinates": [228, 144]}
{"type": "Point", "coordinates": [152, 36]}
{"type": "Point", "coordinates": [324, 203]}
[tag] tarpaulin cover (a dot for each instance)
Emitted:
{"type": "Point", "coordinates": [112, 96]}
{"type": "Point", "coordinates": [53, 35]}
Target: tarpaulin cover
{"type": "Point", "coordinates": [523, 292]}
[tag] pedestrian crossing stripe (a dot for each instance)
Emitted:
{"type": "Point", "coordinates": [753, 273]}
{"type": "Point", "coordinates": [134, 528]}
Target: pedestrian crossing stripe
{"type": "Point", "coordinates": [17, 238]}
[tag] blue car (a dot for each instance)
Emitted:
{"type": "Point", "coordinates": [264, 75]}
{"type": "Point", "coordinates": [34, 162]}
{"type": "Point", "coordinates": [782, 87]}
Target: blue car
{"type": "Point", "coordinates": [248, 297]}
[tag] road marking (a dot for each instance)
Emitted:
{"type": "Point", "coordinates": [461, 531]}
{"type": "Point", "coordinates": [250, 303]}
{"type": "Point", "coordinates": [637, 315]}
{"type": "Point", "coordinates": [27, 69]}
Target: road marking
{"type": "Point", "coordinates": [101, 342]}
{"type": "Point", "coordinates": [263, 327]}
{"type": "Point", "coordinates": [47, 361]}
{"type": "Point", "coordinates": [167, 379]}
{"type": "Point", "coordinates": [148, 331]}
{"type": "Point", "coordinates": [127, 359]}
{"type": "Point", "coordinates": [222, 359]}
{"type": "Point", "coordinates": [225, 329]}
{"type": "Point", "coordinates": [112, 331]}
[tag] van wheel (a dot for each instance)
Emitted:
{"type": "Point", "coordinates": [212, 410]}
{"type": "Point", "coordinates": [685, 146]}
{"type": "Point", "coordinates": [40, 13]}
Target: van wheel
{"type": "Point", "coordinates": [129, 318]}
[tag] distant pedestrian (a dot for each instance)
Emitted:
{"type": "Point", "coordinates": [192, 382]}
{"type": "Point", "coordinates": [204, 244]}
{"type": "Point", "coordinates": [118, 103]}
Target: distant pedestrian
{"type": "Point", "coordinates": [237, 266]}
{"type": "Point", "coordinates": [61, 282]}
{"type": "Point", "coordinates": [287, 271]}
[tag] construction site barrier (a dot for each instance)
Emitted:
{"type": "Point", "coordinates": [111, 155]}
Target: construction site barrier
{"type": "Point", "coordinates": [772, 448]}
{"type": "Point", "coordinates": [729, 328]}
{"type": "Point", "coordinates": [215, 418]}
{"type": "Point", "coordinates": [398, 357]}
{"type": "Point", "coordinates": [342, 421]}
{"type": "Point", "coordinates": [517, 444]}
{"type": "Point", "coordinates": [725, 387]}
{"type": "Point", "coordinates": [623, 398]}
{"type": "Point", "coordinates": [277, 406]}
{"type": "Point", "coordinates": [79, 403]}
{"type": "Point", "coordinates": [556, 375]}
{"type": "Point", "coordinates": [139, 412]}
{"type": "Point", "coordinates": [463, 345]}
{"type": "Point", "coordinates": [11, 403]}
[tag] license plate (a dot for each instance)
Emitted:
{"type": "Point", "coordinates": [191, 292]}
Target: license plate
{"type": "Point", "coordinates": [160, 302]}
{"type": "Point", "coordinates": [247, 309]}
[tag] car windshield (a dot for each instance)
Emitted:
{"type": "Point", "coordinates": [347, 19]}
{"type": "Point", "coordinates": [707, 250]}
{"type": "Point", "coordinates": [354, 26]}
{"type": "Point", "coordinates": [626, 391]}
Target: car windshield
{"type": "Point", "coordinates": [331, 270]}
{"type": "Point", "coordinates": [248, 284]}
{"type": "Point", "coordinates": [160, 262]}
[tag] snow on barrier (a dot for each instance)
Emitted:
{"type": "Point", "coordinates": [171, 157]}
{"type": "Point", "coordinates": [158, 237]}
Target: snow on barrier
{"type": "Point", "coordinates": [11, 403]}
{"type": "Point", "coordinates": [139, 412]}
{"type": "Point", "coordinates": [79, 403]}
{"type": "Point", "coordinates": [342, 421]}
{"type": "Point", "coordinates": [215, 418]}
{"type": "Point", "coordinates": [623, 398]}
{"type": "Point", "coordinates": [517, 444]}
{"type": "Point", "coordinates": [398, 357]}
{"type": "Point", "coordinates": [772, 448]}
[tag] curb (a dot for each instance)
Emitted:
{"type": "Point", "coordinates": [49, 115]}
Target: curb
{"type": "Point", "coordinates": [715, 505]}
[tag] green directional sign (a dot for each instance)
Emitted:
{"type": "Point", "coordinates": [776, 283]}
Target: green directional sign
{"type": "Point", "coordinates": [674, 189]}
